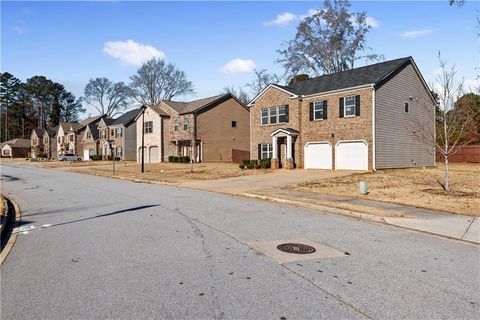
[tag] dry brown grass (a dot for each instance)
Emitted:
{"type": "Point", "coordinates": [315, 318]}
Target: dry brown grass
{"type": "Point", "coordinates": [155, 172]}
{"type": "Point", "coordinates": [415, 187]}
{"type": "Point", "coordinates": [2, 206]}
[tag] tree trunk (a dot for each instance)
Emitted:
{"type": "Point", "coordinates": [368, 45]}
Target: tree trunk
{"type": "Point", "coordinates": [446, 175]}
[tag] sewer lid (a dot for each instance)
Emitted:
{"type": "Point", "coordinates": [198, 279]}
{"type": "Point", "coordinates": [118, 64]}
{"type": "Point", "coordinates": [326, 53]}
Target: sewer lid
{"type": "Point", "coordinates": [297, 248]}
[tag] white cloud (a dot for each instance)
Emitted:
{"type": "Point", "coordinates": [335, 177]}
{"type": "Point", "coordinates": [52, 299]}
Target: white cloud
{"type": "Point", "coordinates": [19, 29]}
{"type": "Point", "coordinates": [372, 22]}
{"type": "Point", "coordinates": [131, 53]}
{"type": "Point", "coordinates": [238, 66]}
{"type": "Point", "coordinates": [281, 20]}
{"type": "Point", "coordinates": [416, 33]}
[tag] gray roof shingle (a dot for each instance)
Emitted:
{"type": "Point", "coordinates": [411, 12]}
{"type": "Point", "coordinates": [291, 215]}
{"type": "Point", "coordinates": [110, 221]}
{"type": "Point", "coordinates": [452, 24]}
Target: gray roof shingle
{"type": "Point", "coordinates": [192, 106]}
{"type": "Point", "coordinates": [373, 73]}
{"type": "Point", "coordinates": [127, 117]}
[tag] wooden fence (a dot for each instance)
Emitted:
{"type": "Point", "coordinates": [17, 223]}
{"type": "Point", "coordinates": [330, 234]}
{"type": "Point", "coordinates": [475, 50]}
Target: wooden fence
{"type": "Point", "coordinates": [239, 155]}
{"type": "Point", "coordinates": [463, 154]}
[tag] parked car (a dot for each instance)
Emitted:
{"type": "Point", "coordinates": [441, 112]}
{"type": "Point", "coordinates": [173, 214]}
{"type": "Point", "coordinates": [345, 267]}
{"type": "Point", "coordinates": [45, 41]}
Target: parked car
{"type": "Point", "coordinates": [69, 157]}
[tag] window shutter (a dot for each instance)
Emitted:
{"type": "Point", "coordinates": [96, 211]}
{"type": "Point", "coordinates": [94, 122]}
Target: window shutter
{"type": "Point", "coordinates": [286, 113]}
{"type": "Point", "coordinates": [324, 109]}
{"type": "Point", "coordinates": [311, 111]}
{"type": "Point", "coordinates": [357, 105]}
{"type": "Point", "coordinates": [259, 151]}
{"type": "Point", "coordinates": [341, 103]}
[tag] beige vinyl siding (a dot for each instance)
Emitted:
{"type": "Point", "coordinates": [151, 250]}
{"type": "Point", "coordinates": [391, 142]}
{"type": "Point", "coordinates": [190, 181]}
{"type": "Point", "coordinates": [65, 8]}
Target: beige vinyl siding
{"type": "Point", "coordinates": [399, 141]}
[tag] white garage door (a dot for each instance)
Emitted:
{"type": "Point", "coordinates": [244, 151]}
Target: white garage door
{"type": "Point", "coordinates": [154, 156]}
{"type": "Point", "coordinates": [86, 155]}
{"type": "Point", "coordinates": [351, 155]}
{"type": "Point", "coordinates": [318, 155]}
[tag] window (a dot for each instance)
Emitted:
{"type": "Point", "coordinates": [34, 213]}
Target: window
{"type": "Point", "coordinates": [34, 141]}
{"type": "Point", "coordinates": [103, 134]}
{"type": "Point", "coordinates": [273, 115]}
{"type": "Point", "coordinates": [266, 151]}
{"type": "Point", "coordinates": [58, 139]}
{"type": "Point", "coordinates": [89, 135]}
{"type": "Point", "coordinates": [349, 106]}
{"type": "Point", "coordinates": [118, 133]}
{"type": "Point", "coordinates": [119, 152]}
{"type": "Point", "coordinates": [282, 114]}
{"type": "Point", "coordinates": [71, 138]}
{"type": "Point", "coordinates": [407, 107]}
{"type": "Point", "coordinates": [45, 140]}
{"type": "Point", "coordinates": [112, 133]}
{"type": "Point", "coordinates": [185, 124]}
{"type": "Point", "coordinates": [264, 116]}
{"type": "Point", "coordinates": [175, 125]}
{"type": "Point", "coordinates": [149, 127]}
{"type": "Point", "coordinates": [234, 124]}
{"type": "Point", "coordinates": [318, 110]}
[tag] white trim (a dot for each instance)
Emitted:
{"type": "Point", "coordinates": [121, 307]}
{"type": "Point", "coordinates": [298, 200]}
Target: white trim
{"type": "Point", "coordinates": [325, 93]}
{"type": "Point", "coordinates": [315, 142]}
{"type": "Point", "coordinates": [374, 167]}
{"type": "Point", "coordinates": [288, 133]}
{"type": "Point", "coordinates": [358, 140]}
{"type": "Point", "coordinates": [271, 85]}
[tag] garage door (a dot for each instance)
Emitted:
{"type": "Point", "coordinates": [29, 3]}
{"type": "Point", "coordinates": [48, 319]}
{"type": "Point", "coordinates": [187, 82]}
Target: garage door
{"type": "Point", "coordinates": [86, 155]}
{"type": "Point", "coordinates": [351, 155]}
{"type": "Point", "coordinates": [318, 155]}
{"type": "Point", "coordinates": [154, 156]}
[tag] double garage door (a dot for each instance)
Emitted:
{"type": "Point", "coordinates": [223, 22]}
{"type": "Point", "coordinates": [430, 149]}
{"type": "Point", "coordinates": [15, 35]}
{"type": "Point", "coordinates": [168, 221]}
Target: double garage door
{"type": "Point", "coordinates": [349, 155]}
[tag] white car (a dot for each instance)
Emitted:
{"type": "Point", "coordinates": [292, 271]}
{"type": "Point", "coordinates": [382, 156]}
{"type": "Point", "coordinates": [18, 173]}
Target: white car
{"type": "Point", "coordinates": [69, 157]}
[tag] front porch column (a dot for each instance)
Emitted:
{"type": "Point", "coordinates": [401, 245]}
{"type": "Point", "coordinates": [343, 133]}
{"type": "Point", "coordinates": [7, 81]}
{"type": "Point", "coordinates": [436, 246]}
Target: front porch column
{"type": "Point", "coordinates": [274, 161]}
{"type": "Point", "coordinates": [289, 160]}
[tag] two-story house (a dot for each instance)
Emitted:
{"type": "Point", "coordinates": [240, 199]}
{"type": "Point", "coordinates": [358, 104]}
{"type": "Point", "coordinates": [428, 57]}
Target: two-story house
{"type": "Point", "coordinates": [123, 132]}
{"type": "Point", "coordinates": [37, 145]}
{"type": "Point", "coordinates": [50, 142]}
{"type": "Point", "coordinates": [67, 138]}
{"type": "Point", "coordinates": [215, 126]}
{"type": "Point", "coordinates": [373, 117]}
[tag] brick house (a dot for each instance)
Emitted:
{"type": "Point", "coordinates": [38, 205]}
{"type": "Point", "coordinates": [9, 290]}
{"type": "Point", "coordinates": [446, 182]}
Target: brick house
{"type": "Point", "coordinates": [123, 132]}
{"type": "Point", "coordinates": [50, 142]}
{"type": "Point", "coordinates": [37, 145]}
{"type": "Point", "coordinates": [67, 137]}
{"type": "Point", "coordinates": [218, 126]}
{"type": "Point", "coordinates": [16, 148]}
{"type": "Point", "coordinates": [368, 118]}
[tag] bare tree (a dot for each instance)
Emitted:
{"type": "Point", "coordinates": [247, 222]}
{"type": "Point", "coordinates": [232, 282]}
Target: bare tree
{"type": "Point", "coordinates": [239, 93]}
{"type": "Point", "coordinates": [156, 81]}
{"type": "Point", "coordinates": [456, 125]}
{"type": "Point", "coordinates": [329, 41]}
{"type": "Point", "coordinates": [262, 79]}
{"type": "Point", "coordinates": [457, 3]}
{"type": "Point", "coordinates": [107, 97]}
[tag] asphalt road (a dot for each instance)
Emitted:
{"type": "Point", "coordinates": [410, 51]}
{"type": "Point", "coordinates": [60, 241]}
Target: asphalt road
{"type": "Point", "coordinates": [95, 248]}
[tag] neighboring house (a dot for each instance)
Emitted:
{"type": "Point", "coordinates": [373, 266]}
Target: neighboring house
{"type": "Point", "coordinates": [90, 142]}
{"type": "Point", "coordinates": [80, 135]}
{"type": "Point", "coordinates": [105, 135]}
{"type": "Point", "coordinates": [37, 145]}
{"type": "Point", "coordinates": [16, 148]}
{"type": "Point", "coordinates": [123, 132]}
{"type": "Point", "coordinates": [217, 126]}
{"type": "Point", "coordinates": [368, 118]}
{"type": "Point", "coordinates": [66, 138]}
{"type": "Point", "coordinates": [50, 142]}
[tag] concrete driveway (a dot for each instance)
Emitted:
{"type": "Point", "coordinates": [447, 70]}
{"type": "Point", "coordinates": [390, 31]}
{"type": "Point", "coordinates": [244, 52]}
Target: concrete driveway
{"type": "Point", "coordinates": [276, 179]}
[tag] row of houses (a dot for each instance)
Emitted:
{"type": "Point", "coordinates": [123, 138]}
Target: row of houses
{"type": "Point", "coordinates": [373, 117]}
{"type": "Point", "coordinates": [218, 126]}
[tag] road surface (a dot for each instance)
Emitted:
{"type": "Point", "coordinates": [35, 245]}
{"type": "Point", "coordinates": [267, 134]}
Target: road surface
{"type": "Point", "coordinates": [95, 248]}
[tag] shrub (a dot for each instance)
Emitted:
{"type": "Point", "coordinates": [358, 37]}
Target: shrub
{"type": "Point", "coordinates": [111, 158]}
{"type": "Point", "coordinates": [95, 157]}
{"type": "Point", "coordinates": [41, 156]}
{"type": "Point", "coordinates": [266, 163]}
{"type": "Point", "coordinates": [186, 159]}
{"type": "Point", "coordinates": [171, 158]}
{"type": "Point", "coordinates": [257, 165]}
{"type": "Point", "coordinates": [250, 165]}
{"type": "Point", "coordinates": [241, 166]}
{"type": "Point", "coordinates": [245, 162]}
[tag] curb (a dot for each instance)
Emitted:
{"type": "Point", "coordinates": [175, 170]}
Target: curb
{"type": "Point", "coordinates": [337, 211]}
{"type": "Point", "coordinates": [348, 213]}
{"type": "Point", "coordinates": [13, 237]}
{"type": "Point", "coordinates": [4, 217]}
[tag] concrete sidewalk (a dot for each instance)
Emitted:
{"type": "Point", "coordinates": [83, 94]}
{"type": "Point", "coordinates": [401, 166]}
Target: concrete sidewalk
{"type": "Point", "coordinates": [436, 222]}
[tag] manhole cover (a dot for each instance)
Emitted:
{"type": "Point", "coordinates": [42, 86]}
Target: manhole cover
{"type": "Point", "coordinates": [297, 248]}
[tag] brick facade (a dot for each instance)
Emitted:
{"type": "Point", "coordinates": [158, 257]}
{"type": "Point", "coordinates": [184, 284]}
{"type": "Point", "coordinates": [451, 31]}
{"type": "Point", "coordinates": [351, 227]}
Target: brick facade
{"type": "Point", "coordinates": [332, 129]}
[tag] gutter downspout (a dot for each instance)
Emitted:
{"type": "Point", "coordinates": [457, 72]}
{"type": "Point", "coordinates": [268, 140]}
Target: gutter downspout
{"type": "Point", "coordinates": [374, 166]}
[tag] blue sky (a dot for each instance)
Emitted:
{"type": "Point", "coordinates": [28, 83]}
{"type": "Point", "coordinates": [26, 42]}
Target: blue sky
{"type": "Point", "coordinates": [216, 43]}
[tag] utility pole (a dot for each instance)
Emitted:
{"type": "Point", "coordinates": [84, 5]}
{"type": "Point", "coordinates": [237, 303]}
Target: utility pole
{"type": "Point", "coordinates": [143, 138]}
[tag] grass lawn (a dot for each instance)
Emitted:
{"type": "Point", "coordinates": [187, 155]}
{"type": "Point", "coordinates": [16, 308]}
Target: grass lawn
{"type": "Point", "coordinates": [416, 187]}
{"type": "Point", "coordinates": [162, 172]}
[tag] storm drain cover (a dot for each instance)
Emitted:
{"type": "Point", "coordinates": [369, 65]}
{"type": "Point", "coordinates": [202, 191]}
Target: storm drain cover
{"type": "Point", "coordinates": [297, 248]}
